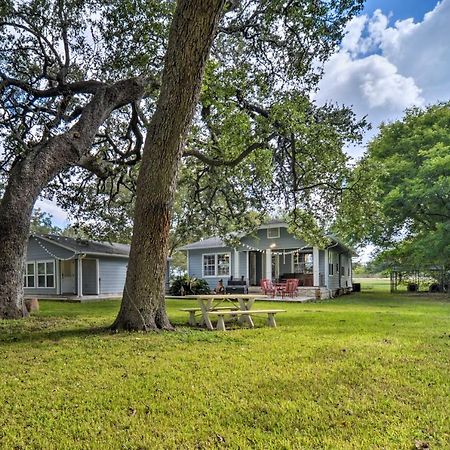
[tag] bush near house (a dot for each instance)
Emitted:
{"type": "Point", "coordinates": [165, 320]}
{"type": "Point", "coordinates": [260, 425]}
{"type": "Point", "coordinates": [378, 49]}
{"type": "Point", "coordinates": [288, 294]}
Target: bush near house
{"type": "Point", "coordinates": [186, 285]}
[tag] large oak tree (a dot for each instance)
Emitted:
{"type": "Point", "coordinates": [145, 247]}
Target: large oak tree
{"type": "Point", "coordinates": [256, 137]}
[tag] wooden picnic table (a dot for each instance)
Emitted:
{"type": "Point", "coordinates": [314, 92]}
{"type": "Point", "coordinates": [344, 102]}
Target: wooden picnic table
{"type": "Point", "coordinates": [210, 302]}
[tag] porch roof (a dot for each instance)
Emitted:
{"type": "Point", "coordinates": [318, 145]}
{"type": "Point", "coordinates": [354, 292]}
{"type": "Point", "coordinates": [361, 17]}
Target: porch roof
{"type": "Point", "coordinates": [86, 246]}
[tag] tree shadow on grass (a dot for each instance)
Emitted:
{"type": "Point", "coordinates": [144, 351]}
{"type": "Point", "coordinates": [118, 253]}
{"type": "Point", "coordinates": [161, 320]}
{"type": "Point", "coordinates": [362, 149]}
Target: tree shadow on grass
{"type": "Point", "coordinates": [46, 336]}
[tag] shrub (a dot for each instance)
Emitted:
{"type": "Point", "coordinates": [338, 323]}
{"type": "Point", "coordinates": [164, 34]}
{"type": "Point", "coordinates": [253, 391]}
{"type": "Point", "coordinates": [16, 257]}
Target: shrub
{"type": "Point", "coordinates": [188, 286]}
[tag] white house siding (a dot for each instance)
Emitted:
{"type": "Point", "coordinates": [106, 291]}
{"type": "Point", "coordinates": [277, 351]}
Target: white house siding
{"type": "Point", "coordinates": [112, 273]}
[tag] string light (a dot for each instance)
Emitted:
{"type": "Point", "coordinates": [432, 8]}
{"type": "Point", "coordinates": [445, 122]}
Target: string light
{"type": "Point", "coordinates": [38, 240]}
{"type": "Point", "coordinates": [254, 249]}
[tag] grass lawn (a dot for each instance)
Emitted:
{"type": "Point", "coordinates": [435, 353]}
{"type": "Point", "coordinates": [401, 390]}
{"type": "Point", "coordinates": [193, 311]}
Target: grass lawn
{"type": "Point", "coordinates": [367, 371]}
{"type": "Point", "coordinates": [378, 284]}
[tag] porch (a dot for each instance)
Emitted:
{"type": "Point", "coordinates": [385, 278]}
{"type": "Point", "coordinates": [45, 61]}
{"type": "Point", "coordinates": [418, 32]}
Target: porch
{"type": "Point", "coordinates": [303, 264]}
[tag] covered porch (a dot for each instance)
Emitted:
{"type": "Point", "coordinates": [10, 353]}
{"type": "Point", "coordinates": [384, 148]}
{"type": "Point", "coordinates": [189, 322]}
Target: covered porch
{"type": "Point", "coordinates": [278, 264]}
{"type": "Point", "coordinates": [78, 277]}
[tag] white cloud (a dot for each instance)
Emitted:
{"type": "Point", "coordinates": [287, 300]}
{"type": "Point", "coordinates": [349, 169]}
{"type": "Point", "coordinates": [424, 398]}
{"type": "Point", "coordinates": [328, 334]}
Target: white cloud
{"type": "Point", "coordinates": [380, 70]}
{"type": "Point", "coordinates": [60, 217]}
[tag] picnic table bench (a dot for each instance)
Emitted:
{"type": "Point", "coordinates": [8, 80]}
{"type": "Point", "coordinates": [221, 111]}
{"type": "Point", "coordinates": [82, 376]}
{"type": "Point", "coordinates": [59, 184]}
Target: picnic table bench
{"type": "Point", "coordinates": [192, 312]}
{"type": "Point", "coordinates": [221, 316]}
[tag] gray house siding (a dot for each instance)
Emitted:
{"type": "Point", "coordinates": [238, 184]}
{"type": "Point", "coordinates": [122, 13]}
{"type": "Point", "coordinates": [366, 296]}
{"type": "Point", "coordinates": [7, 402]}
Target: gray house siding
{"type": "Point", "coordinates": [112, 273]}
{"type": "Point", "coordinates": [322, 267]}
{"type": "Point", "coordinates": [40, 249]}
{"type": "Point", "coordinates": [243, 260]}
{"type": "Point", "coordinates": [261, 242]}
{"type": "Point", "coordinates": [196, 264]}
{"type": "Point", "coordinates": [89, 276]}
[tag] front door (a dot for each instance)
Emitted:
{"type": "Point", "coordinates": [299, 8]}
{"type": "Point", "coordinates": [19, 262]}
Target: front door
{"type": "Point", "coordinates": [68, 277]}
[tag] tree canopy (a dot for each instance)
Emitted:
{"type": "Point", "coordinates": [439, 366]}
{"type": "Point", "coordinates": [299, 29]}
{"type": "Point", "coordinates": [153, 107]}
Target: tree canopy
{"type": "Point", "coordinates": [408, 164]}
{"type": "Point", "coordinates": [81, 83]}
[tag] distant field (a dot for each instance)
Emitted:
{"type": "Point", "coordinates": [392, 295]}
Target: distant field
{"type": "Point", "coordinates": [376, 284]}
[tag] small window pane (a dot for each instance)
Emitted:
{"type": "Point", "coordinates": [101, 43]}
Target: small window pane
{"type": "Point", "coordinates": [41, 268]}
{"type": "Point", "coordinates": [30, 268]}
{"type": "Point", "coordinates": [50, 281]}
{"type": "Point", "coordinates": [41, 281]}
{"type": "Point", "coordinates": [31, 281]}
{"type": "Point", "coordinates": [50, 268]}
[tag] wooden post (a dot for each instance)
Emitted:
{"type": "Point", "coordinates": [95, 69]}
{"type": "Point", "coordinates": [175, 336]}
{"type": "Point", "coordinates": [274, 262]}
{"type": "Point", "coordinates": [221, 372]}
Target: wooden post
{"type": "Point", "coordinates": [269, 264]}
{"type": "Point", "coordinates": [316, 275]}
{"type": "Point", "coordinates": [80, 277]}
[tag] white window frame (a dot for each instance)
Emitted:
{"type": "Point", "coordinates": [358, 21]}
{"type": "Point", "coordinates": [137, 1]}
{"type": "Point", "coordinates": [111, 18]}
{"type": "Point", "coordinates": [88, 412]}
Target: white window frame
{"type": "Point", "coordinates": [26, 275]}
{"type": "Point", "coordinates": [276, 235]}
{"type": "Point", "coordinates": [216, 265]}
{"type": "Point", "coordinates": [46, 275]}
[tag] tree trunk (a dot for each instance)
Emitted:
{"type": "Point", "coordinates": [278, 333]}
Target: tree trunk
{"type": "Point", "coordinates": [192, 32]}
{"type": "Point", "coordinates": [30, 175]}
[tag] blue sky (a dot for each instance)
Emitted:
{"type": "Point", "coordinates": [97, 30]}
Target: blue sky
{"type": "Point", "coordinates": [401, 9]}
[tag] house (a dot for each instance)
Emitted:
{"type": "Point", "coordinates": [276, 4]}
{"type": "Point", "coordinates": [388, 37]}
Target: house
{"type": "Point", "coordinates": [274, 253]}
{"type": "Point", "coordinates": [59, 266]}
{"type": "Point", "coordinates": [63, 266]}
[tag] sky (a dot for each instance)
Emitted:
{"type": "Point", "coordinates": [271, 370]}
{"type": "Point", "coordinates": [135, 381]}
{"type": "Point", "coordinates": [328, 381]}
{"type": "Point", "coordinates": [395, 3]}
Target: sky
{"type": "Point", "coordinates": [395, 55]}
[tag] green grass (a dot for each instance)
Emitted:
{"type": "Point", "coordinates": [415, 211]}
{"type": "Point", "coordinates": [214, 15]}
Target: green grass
{"type": "Point", "coordinates": [366, 371]}
{"type": "Point", "coordinates": [378, 284]}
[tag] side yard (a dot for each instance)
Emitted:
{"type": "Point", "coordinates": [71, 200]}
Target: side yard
{"type": "Point", "coordinates": [361, 371]}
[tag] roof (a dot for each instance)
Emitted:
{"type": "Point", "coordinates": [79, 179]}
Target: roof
{"type": "Point", "coordinates": [86, 246]}
{"type": "Point", "coordinates": [215, 242]}
{"type": "Point", "coordinates": [212, 242]}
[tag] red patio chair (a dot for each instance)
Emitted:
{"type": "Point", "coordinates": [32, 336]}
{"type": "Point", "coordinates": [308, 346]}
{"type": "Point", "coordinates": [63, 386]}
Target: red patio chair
{"type": "Point", "coordinates": [291, 287]}
{"type": "Point", "coordinates": [267, 287]}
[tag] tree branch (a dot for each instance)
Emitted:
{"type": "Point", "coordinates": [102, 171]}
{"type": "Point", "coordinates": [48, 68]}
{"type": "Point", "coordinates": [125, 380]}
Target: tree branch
{"type": "Point", "coordinates": [232, 162]}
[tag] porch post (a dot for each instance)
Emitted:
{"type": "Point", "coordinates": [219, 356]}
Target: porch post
{"type": "Point", "coordinates": [236, 264]}
{"type": "Point", "coordinates": [247, 267]}
{"type": "Point", "coordinates": [80, 277]}
{"type": "Point", "coordinates": [269, 264]}
{"type": "Point", "coordinates": [58, 276]}
{"type": "Point", "coordinates": [316, 275]}
{"type": "Point", "coordinates": [327, 269]}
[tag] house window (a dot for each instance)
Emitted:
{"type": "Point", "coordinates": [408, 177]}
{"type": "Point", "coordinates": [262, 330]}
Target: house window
{"type": "Point", "coordinates": [273, 233]}
{"type": "Point", "coordinates": [28, 278]}
{"type": "Point", "coordinates": [45, 274]}
{"type": "Point", "coordinates": [223, 264]}
{"type": "Point", "coordinates": [209, 265]}
{"type": "Point", "coordinates": [330, 269]}
{"type": "Point", "coordinates": [303, 263]}
{"type": "Point", "coordinates": [216, 265]}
